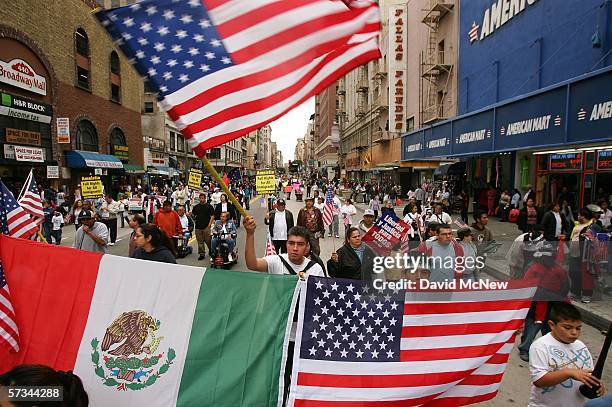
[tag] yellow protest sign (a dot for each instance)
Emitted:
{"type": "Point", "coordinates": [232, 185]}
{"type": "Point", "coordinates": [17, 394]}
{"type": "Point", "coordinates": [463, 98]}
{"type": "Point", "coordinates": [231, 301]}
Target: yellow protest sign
{"type": "Point", "coordinates": [195, 179]}
{"type": "Point", "coordinates": [91, 187]}
{"type": "Point", "coordinates": [265, 182]}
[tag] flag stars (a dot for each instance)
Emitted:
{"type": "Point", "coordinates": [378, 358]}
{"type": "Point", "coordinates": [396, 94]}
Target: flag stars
{"type": "Point", "coordinates": [352, 345]}
{"type": "Point", "coordinates": [332, 319]}
{"type": "Point", "coordinates": [314, 334]}
{"type": "Point", "coordinates": [323, 326]}
{"type": "Point", "coordinates": [321, 343]}
{"type": "Point", "coordinates": [126, 36]}
{"type": "Point", "coordinates": [349, 304]}
{"type": "Point", "coordinates": [198, 38]}
{"type": "Point", "coordinates": [367, 345]}
{"type": "Point", "coordinates": [390, 354]}
{"type": "Point", "coordinates": [171, 62]}
{"type": "Point", "coordinates": [159, 46]}
{"type": "Point", "coordinates": [168, 14]}
{"type": "Point", "coordinates": [379, 305]}
{"type": "Point", "coordinates": [204, 23]}
{"type": "Point", "coordinates": [140, 54]}
{"type": "Point", "coordinates": [176, 48]}
{"type": "Point", "coordinates": [155, 60]}
{"type": "Point", "coordinates": [226, 60]}
{"type": "Point", "coordinates": [336, 344]}
{"type": "Point", "coordinates": [324, 310]}
{"type": "Point", "coordinates": [188, 64]}
{"type": "Point", "coordinates": [152, 72]}
{"type": "Point", "coordinates": [359, 354]}
{"type": "Point", "coordinates": [377, 321]}
{"type": "Point", "coordinates": [319, 285]}
{"type": "Point", "coordinates": [194, 3]}
{"type": "Point", "coordinates": [180, 34]}
{"type": "Point", "coordinates": [394, 306]}
{"type": "Point", "coordinates": [341, 295]}
{"type": "Point", "coordinates": [386, 314]}
{"type": "Point", "coordinates": [143, 41]}
{"type": "Point", "coordinates": [151, 10]}
{"type": "Point", "coordinates": [128, 22]}
{"type": "Point", "coordinates": [343, 353]}
{"type": "Point", "coordinates": [328, 352]}
{"type": "Point", "coordinates": [334, 286]}
{"type": "Point", "coordinates": [183, 78]}
{"type": "Point", "coordinates": [357, 297]}
{"type": "Point", "coordinates": [375, 354]}
{"type": "Point", "coordinates": [210, 55]}
{"type": "Point", "coordinates": [145, 27]}
{"type": "Point", "coordinates": [316, 317]}
{"type": "Point", "coordinates": [186, 19]}
{"type": "Point", "coordinates": [333, 303]}
{"type": "Point", "coordinates": [355, 312]}
{"type": "Point", "coordinates": [326, 294]}
{"type": "Point", "coordinates": [163, 30]}
{"type": "Point", "coordinates": [316, 300]}
{"type": "Point", "coordinates": [330, 336]}
{"type": "Point", "coordinates": [375, 337]}
{"type": "Point", "coordinates": [313, 351]}
{"type": "Point", "coordinates": [204, 68]}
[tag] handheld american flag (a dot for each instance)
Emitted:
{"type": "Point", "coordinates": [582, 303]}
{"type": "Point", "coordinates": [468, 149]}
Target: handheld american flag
{"type": "Point", "coordinates": [31, 201]}
{"type": "Point", "coordinates": [14, 221]}
{"type": "Point", "coordinates": [270, 249]}
{"type": "Point", "coordinates": [357, 347]}
{"type": "Point", "coordinates": [226, 67]}
{"type": "Point", "coordinates": [328, 209]}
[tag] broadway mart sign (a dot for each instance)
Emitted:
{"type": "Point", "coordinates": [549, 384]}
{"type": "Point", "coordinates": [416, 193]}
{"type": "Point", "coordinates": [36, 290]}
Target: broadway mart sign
{"type": "Point", "coordinates": [19, 73]}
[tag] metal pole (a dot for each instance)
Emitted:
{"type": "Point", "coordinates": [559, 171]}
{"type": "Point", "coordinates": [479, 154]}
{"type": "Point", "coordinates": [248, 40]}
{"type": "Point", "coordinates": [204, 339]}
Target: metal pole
{"type": "Point", "coordinates": [224, 187]}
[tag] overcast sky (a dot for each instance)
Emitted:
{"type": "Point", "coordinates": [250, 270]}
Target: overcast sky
{"type": "Point", "coordinates": [287, 129]}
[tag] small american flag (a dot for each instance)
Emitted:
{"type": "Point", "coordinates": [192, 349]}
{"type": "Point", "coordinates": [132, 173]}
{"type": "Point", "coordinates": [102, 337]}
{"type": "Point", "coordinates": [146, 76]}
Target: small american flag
{"type": "Point", "coordinates": [459, 223]}
{"type": "Point", "coordinates": [226, 67]}
{"type": "Point", "coordinates": [31, 201]}
{"type": "Point", "coordinates": [270, 250]}
{"type": "Point", "coordinates": [14, 221]}
{"type": "Point", "coordinates": [474, 32]}
{"type": "Point", "coordinates": [328, 210]}
{"type": "Point", "coordinates": [357, 347]}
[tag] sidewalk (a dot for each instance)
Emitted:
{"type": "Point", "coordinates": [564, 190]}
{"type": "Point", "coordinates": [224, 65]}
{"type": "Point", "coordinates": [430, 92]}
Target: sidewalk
{"type": "Point", "coordinates": [597, 313]}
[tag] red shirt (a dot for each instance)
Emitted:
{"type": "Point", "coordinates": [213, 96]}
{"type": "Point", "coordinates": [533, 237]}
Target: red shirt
{"type": "Point", "coordinates": [169, 222]}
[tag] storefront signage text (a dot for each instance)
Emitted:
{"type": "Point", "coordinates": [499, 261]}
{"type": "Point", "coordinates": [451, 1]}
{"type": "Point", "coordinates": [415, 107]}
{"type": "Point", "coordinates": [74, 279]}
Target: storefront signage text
{"type": "Point", "coordinates": [20, 108]}
{"type": "Point", "coordinates": [604, 160]}
{"type": "Point", "coordinates": [63, 130]}
{"type": "Point", "coordinates": [566, 162]}
{"type": "Point", "coordinates": [103, 164]}
{"type": "Point", "coordinates": [437, 143]}
{"type": "Point", "coordinates": [52, 171]}
{"type": "Point", "coordinates": [472, 136]}
{"type": "Point", "coordinates": [20, 74]}
{"type": "Point", "coordinates": [414, 147]}
{"type": "Point", "coordinates": [30, 154]}
{"type": "Point", "coordinates": [121, 152]}
{"type": "Point", "coordinates": [526, 126]}
{"type": "Point", "coordinates": [155, 159]}
{"type": "Point", "coordinates": [494, 17]}
{"type": "Point", "coordinates": [602, 111]}
{"type": "Point", "coordinates": [22, 137]}
{"type": "Point", "coordinates": [397, 68]}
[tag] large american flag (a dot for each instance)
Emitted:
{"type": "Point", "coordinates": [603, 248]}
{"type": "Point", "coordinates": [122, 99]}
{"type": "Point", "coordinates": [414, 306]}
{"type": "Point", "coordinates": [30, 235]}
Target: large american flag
{"type": "Point", "coordinates": [226, 67]}
{"type": "Point", "coordinates": [31, 201]}
{"type": "Point", "coordinates": [357, 347]}
{"type": "Point", "coordinates": [14, 221]}
{"type": "Point", "coordinates": [328, 209]}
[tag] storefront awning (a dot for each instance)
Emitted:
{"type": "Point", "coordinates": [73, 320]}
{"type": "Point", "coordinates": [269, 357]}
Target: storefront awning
{"type": "Point", "coordinates": [158, 170]}
{"type": "Point", "coordinates": [88, 159]}
{"type": "Point", "coordinates": [134, 169]}
{"type": "Point", "coordinates": [451, 169]}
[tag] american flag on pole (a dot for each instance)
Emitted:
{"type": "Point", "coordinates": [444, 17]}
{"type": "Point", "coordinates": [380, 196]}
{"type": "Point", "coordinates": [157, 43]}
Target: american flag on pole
{"type": "Point", "coordinates": [270, 249]}
{"type": "Point", "coordinates": [14, 221]}
{"type": "Point", "coordinates": [357, 347]}
{"type": "Point", "coordinates": [30, 200]}
{"type": "Point", "coordinates": [226, 67]}
{"type": "Point", "coordinates": [328, 209]}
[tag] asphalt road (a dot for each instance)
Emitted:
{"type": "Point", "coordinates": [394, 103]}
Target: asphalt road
{"type": "Point", "coordinates": [516, 383]}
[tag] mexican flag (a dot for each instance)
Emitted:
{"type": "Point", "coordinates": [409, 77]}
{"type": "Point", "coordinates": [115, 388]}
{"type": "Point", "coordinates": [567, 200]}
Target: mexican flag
{"type": "Point", "coordinates": [143, 333]}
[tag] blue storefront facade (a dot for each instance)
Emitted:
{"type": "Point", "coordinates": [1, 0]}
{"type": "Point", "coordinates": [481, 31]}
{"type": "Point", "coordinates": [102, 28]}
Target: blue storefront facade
{"type": "Point", "coordinates": [535, 99]}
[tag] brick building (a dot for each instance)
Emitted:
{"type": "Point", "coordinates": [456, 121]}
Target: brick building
{"type": "Point", "coordinates": [70, 100]}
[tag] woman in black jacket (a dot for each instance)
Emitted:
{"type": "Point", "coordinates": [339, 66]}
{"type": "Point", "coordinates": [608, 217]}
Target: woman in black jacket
{"type": "Point", "coordinates": [354, 260]}
{"type": "Point", "coordinates": [153, 244]}
{"type": "Point", "coordinates": [554, 221]}
{"type": "Point", "coordinates": [225, 206]}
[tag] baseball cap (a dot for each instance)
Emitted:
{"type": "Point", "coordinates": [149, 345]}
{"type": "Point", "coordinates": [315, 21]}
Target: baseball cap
{"type": "Point", "coordinates": [594, 208]}
{"type": "Point", "coordinates": [368, 212]}
{"type": "Point", "coordinates": [310, 198]}
{"type": "Point", "coordinates": [85, 214]}
{"type": "Point", "coordinates": [280, 202]}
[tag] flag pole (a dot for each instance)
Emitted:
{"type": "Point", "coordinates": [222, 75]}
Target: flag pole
{"type": "Point", "coordinates": [25, 184]}
{"type": "Point", "coordinates": [42, 238]}
{"type": "Point", "coordinates": [224, 187]}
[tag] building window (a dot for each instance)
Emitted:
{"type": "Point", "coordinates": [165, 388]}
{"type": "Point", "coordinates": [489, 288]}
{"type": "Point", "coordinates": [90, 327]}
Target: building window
{"type": "Point", "coordinates": [117, 138]}
{"type": "Point", "coordinates": [115, 77]}
{"type": "Point", "coordinates": [180, 143]}
{"type": "Point", "coordinates": [172, 141]}
{"type": "Point", "coordinates": [82, 59]}
{"type": "Point", "coordinates": [410, 123]}
{"type": "Point", "coordinates": [148, 107]}
{"type": "Point", "coordinates": [87, 136]}
{"type": "Point", "coordinates": [215, 153]}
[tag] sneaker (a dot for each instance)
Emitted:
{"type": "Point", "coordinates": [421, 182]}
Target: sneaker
{"type": "Point", "coordinates": [330, 235]}
{"type": "Point", "coordinates": [202, 257]}
{"type": "Point", "coordinates": [111, 244]}
{"type": "Point", "coordinates": [337, 236]}
{"type": "Point", "coordinates": [524, 356]}
{"type": "Point", "coordinates": [586, 299]}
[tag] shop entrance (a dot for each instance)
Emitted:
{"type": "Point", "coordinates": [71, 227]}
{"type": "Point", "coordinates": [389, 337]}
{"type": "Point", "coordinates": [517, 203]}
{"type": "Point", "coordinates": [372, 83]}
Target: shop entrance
{"type": "Point", "coordinates": [602, 188]}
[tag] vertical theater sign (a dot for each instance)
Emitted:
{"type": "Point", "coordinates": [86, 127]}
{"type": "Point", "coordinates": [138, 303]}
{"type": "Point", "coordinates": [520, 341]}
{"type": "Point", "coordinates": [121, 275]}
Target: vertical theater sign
{"type": "Point", "coordinates": [397, 68]}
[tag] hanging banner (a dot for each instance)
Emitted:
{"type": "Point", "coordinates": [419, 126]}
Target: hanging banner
{"type": "Point", "coordinates": [63, 130]}
{"type": "Point", "coordinates": [195, 179]}
{"type": "Point", "coordinates": [91, 187]}
{"type": "Point", "coordinates": [265, 182]}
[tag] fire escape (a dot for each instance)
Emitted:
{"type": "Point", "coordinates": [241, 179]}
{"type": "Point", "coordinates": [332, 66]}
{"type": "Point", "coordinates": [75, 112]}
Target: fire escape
{"type": "Point", "coordinates": [436, 67]}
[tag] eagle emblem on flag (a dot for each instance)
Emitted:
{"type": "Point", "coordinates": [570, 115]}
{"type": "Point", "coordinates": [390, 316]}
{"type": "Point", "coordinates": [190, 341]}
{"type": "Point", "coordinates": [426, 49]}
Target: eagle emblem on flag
{"type": "Point", "coordinates": [127, 357]}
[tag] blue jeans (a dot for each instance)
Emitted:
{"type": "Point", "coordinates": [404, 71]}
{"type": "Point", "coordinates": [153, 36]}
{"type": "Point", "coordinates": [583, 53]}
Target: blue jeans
{"type": "Point", "coordinates": [604, 401]}
{"type": "Point", "coordinates": [231, 243]}
{"type": "Point", "coordinates": [57, 235]}
{"type": "Point", "coordinates": [529, 333]}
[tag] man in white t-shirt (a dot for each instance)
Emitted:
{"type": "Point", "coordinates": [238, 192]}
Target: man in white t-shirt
{"type": "Point", "coordinates": [295, 261]}
{"type": "Point", "coordinates": [560, 363]}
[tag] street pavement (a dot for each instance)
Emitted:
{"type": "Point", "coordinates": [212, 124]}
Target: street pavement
{"type": "Point", "coordinates": [515, 387]}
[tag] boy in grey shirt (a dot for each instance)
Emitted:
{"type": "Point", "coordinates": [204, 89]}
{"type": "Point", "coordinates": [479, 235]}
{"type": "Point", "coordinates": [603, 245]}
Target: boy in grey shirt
{"type": "Point", "coordinates": [91, 236]}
